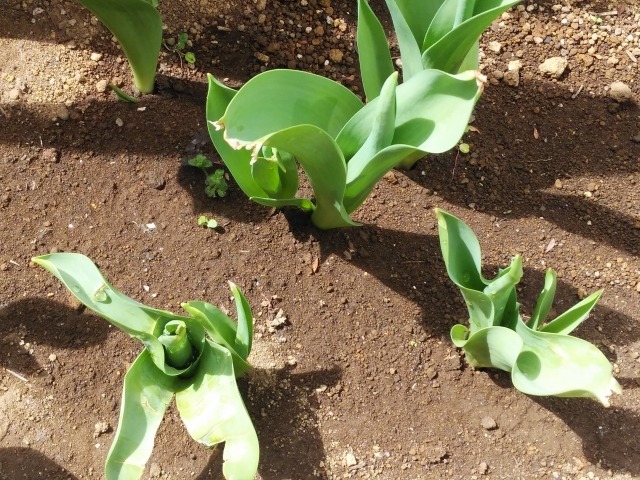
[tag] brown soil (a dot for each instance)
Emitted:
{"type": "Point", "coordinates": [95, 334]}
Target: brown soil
{"type": "Point", "coordinates": [362, 381]}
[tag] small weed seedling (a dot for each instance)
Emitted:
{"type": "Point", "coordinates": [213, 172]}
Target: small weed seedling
{"type": "Point", "coordinates": [541, 355]}
{"type": "Point", "coordinates": [215, 183]}
{"type": "Point", "coordinates": [179, 47]}
{"type": "Point", "coordinates": [194, 358]}
{"type": "Point", "coordinates": [203, 221]}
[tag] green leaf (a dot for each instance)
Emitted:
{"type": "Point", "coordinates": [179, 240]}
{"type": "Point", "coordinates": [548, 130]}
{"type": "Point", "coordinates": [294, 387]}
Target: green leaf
{"type": "Point", "coordinates": [237, 161]}
{"type": "Point", "coordinates": [220, 328]}
{"type": "Point", "coordinates": [452, 49]}
{"type": "Point", "coordinates": [409, 48]}
{"type": "Point", "coordinates": [373, 51]}
{"type": "Point", "coordinates": [276, 172]}
{"type": "Point", "coordinates": [502, 289]}
{"type": "Point", "coordinates": [138, 27]}
{"type": "Point", "coordinates": [200, 161]}
{"type": "Point", "coordinates": [213, 411]}
{"type": "Point", "coordinates": [461, 252]}
{"type": "Point", "coordinates": [83, 279]}
{"type": "Point", "coordinates": [244, 333]}
{"type": "Point", "coordinates": [561, 365]}
{"type": "Point", "coordinates": [443, 22]}
{"type": "Point", "coordinates": [301, 203]}
{"type": "Point", "coordinates": [279, 99]}
{"type": "Point", "coordinates": [491, 347]}
{"type": "Point", "coordinates": [419, 15]}
{"type": "Point", "coordinates": [212, 223]}
{"type": "Point", "coordinates": [122, 95]}
{"type": "Point", "coordinates": [145, 398]}
{"type": "Point", "coordinates": [569, 320]}
{"type": "Point", "coordinates": [432, 113]}
{"type": "Point", "coordinates": [544, 302]}
{"type": "Point", "coordinates": [324, 165]}
{"type": "Point", "coordinates": [190, 57]}
{"type": "Point", "coordinates": [202, 220]}
{"type": "Point", "coordinates": [182, 41]}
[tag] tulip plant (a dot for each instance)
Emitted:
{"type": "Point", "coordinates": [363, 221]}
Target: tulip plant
{"type": "Point", "coordinates": [196, 358]}
{"type": "Point", "coordinates": [541, 355]}
{"type": "Point", "coordinates": [137, 26]}
{"type": "Point", "coordinates": [282, 118]}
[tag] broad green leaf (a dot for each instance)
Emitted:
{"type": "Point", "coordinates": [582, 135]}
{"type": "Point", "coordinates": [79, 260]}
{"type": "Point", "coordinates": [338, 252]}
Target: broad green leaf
{"type": "Point", "coordinates": [418, 15]}
{"type": "Point", "coordinates": [83, 279]}
{"type": "Point", "coordinates": [569, 320]}
{"type": "Point", "coordinates": [137, 26]}
{"type": "Point", "coordinates": [495, 347]}
{"type": "Point", "coordinates": [213, 411]}
{"type": "Point", "coordinates": [409, 47]}
{"type": "Point", "coordinates": [432, 113]}
{"type": "Point", "coordinates": [276, 173]}
{"type": "Point", "coordinates": [220, 328]}
{"type": "Point", "coordinates": [544, 302]}
{"type": "Point", "coordinates": [450, 51]}
{"type": "Point", "coordinates": [561, 365]}
{"type": "Point", "coordinates": [373, 51]}
{"type": "Point", "coordinates": [279, 99]}
{"type": "Point", "coordinates": [237, 161]}
{"type": "Point", "coordinates": [244, 332]}
{"type": "Point", "coordinates": [324, 165]}
{"type": "Point", "coordinates": [145, 398]}
{"type": "Point", "coordinates": [381, 134]}
{"type": "Point", "coordinates": [460, 251]}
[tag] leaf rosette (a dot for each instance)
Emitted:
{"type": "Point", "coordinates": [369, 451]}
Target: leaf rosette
{"type": "Point", "coordinates": [195, 358]}
{"type": "Point", "coordinates": [542, 357]}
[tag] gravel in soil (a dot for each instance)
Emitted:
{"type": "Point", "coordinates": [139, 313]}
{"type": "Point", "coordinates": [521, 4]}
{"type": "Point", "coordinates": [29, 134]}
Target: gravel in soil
{"type": "Point", "coordinates": [355, 374]}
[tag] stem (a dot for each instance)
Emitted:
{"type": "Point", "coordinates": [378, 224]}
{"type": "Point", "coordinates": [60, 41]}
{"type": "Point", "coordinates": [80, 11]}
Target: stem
{"type": "Point", "coordinates": [176, 344]}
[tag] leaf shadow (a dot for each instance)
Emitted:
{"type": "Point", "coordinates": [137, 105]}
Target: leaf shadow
{"type": "Point", "coordinates": [609, 436]}
{"type": "Point", "coordinates": [37, 321]}
{"type": "Point", "coordinates": [21, 462]}
{"type": "Point", "coordinates": [290, 444]}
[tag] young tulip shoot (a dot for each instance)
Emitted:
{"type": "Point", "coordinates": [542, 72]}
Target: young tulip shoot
{"type": "Point", "coordinates": [196, 359]}
{"type": "Point", "coordinates": [541, 355]}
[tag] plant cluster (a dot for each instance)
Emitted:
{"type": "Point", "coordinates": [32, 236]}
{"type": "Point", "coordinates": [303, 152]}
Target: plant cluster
{"type": "Point", "coordinates": [282, 118]}
{"type": "Point", "coordinates": [541, 355]}
{"type": "Point", "coordinates": [195, 358]}
{"type": "Point", "coordinates": [215, 183]}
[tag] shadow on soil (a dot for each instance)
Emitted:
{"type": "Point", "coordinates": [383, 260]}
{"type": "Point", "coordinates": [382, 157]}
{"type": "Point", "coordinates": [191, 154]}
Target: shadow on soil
{"type": "Point", "coordinates": [290, 444]}
{"type": "Point", "coordinates": [609, 436]}
{"type": "Point", "coordinates": [36, 321]}
{"type": "Point", "coordinates": [18, 463]}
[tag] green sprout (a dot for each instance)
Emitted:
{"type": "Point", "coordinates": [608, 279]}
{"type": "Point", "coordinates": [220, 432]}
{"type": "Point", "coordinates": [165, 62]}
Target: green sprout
{"type": "Point", "coordinates": [179, 48]}
{"type": "Point", "coordinates": [137, 26]}
{"type": "Point", "coordinates": [541, 355]}
{"type": "Point", "coordinates": [284, 118]}
{"type": "Point", "coordinates": [203, 221]}
{"type": "Point", "coordinates": [215, 182]}
{"type": "Point", "coordinates": [195, 358]}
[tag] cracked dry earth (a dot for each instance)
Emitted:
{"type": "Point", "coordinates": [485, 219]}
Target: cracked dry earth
{"type": "Point", "coordinates": [355, 374]}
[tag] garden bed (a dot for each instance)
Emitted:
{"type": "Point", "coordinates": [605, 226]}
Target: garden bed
{"type": "Point", "coordinates": [361, 380]}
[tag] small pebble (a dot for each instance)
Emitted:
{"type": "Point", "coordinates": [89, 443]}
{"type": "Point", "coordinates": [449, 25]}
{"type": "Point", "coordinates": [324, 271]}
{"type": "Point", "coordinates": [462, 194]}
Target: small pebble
{"type": "Point", "coordinates": [101, 86]}
{"type": "Point", "coordinates": [488, 423]}
{"type": "Point", "coordinates": [95, 56]}
{"type": "Point", "coordinates": [554, 66]}
{"type": "Point", "coordinates": [620, 92]}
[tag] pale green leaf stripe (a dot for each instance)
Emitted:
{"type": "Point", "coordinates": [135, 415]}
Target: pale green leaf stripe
{"type": "Point", "coordinates": [237, 161]}
{"type": "Point", "coordinates": [443, 22]}
{"type": "Point", "coordinates": [137, 26]}
{"type": "Point", "coordinates": [213, 411]}
{"type": "Point", "coordinates": [496, 347]}
{"type": "Point", "coordinates": [279, 99]}
{"type": "Point", "coordinates": [373, 51]}
{"type": "Point", "coordinates": [146, 396]}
